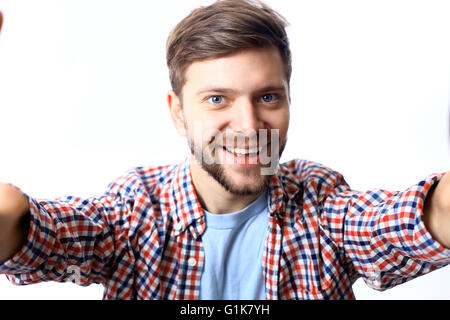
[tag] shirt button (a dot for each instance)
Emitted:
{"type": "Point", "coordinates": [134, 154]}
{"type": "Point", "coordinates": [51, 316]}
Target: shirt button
{"type": "Point", "coordinates": [178, 226]}
{"type": "Point", "coordinates": [192, 262]}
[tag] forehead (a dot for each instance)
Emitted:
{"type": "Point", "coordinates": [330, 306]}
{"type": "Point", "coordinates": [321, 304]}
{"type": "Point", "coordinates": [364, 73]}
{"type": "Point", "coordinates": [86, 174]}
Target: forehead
{"type": "Point", "coordinates": [246, 70]}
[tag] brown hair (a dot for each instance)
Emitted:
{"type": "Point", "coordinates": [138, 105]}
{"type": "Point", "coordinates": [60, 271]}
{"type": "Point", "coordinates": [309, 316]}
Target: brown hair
{"type": "Point", "coordinates": [223, 28]}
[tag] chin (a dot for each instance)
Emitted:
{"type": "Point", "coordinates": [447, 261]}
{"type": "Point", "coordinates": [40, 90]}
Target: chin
{"type": "Point", "coordinates": [243, 182]}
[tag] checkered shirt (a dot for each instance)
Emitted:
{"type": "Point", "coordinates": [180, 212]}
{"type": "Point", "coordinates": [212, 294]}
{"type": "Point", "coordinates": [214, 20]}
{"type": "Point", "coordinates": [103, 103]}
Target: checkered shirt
{"type": "Point", "coordinates": [142, 239]}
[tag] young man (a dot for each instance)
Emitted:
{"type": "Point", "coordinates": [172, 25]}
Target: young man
{"type": "Point", "coordinates": [230, 222]}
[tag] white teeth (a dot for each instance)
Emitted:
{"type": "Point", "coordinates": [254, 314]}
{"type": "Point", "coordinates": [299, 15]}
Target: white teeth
{"type": "Point", "coordinates": [244, 151]}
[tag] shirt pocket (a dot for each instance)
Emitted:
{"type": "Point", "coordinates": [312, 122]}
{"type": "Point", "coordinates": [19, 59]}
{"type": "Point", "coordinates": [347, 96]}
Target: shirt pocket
{"type": "Point", "coordinates": [310, 266]}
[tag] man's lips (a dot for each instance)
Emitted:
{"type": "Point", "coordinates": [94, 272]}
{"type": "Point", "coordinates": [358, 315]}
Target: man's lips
{"type": "Point", "coordinates": [242, 157]}
{"type": "Point", "coordinates": [249, 157]}
{"type": "Point", "coordinates": [248, 151]}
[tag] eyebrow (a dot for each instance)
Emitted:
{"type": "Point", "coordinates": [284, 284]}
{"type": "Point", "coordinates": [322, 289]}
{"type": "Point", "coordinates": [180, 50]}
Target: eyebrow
{"type": "Point", "coordinates": [229, 90]}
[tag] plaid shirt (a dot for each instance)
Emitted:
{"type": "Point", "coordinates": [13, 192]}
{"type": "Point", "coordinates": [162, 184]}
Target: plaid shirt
{"type": "Point", "coordinates": [142, 239]}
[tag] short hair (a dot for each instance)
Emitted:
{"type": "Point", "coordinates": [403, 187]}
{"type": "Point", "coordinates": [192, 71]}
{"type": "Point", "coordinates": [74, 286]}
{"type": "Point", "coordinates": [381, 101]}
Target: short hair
{"type": "Point", "coordinates": [223, 28]}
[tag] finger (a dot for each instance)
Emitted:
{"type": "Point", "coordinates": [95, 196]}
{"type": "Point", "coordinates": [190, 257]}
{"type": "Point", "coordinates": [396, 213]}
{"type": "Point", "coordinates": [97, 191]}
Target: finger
{"type": "Point", "coordinates": [1, 20]}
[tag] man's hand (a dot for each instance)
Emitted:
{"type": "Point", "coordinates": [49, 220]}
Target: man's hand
{"type": "Point", "coordinates": [12, 201]}
{"type": "Point", "coordinates": [437, 211]}
{"type": "Point", "coordinates": [13, 207]}
{"type": "Point", "coordinates": [1, 20]}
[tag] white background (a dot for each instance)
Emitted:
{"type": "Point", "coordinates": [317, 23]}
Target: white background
{"type": "Point", "coordinates": [83, 86]}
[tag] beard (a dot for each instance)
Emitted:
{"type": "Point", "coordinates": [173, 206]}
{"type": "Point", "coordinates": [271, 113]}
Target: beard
{"type": "Point", "coordinates": [259, 182]}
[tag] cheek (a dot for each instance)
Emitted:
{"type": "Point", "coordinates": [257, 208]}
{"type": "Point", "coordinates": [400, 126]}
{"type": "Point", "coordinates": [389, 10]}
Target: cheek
{"type": "Point", "coordinates": [278, 120]}
{"type": "Point", "coordinates": [205, 130]}
{"type": "Point", "coordinates": [285, 125]}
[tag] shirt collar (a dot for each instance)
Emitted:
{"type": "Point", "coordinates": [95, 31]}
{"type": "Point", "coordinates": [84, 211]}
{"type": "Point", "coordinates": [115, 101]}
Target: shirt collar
{"type": "Point", "coordinates": [277, 195]}
{"type": "Point", "coordinates": [186, 208]}
{"type": "Point", "coordinates": [184, 202]}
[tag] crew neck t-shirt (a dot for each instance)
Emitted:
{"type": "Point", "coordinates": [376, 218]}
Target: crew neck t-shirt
{"type": "Point", "coordinates": [234, 245]}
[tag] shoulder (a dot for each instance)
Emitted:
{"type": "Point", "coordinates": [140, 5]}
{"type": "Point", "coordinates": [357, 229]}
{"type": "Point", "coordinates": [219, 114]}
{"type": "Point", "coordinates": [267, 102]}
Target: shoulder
{"type": "Point", "coordinates": [143, 179]}
{"type": "Point", "coordinates": [309, 175]}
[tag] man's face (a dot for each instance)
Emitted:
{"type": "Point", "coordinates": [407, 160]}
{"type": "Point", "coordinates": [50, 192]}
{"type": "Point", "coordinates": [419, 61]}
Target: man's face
{"type": "Point", "coordinates": [235, 113]}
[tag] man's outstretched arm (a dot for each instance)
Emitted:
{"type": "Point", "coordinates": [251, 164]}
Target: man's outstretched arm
{"type": "Point", "coordinates": [13, 208]}
{"type": "Point", "coordinates": [437, 211]}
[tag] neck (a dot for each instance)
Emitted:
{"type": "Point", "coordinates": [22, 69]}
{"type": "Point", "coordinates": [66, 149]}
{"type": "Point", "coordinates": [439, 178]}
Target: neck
{"type": "Point", "coordinates": [213, 196]}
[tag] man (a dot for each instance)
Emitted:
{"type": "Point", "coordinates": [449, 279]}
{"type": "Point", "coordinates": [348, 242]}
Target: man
{"type": "Point", "coordinates": [229, 222]}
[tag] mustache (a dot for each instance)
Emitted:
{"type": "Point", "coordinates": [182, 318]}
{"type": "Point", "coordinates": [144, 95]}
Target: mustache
{"type": "Point", "coordinates": [250, 139]}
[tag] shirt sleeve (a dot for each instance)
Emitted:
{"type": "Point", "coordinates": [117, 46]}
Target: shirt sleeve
{"type": "Point", "coordinates": [70, 239]}
{"type": "Point", "coordinates": [382, 234]}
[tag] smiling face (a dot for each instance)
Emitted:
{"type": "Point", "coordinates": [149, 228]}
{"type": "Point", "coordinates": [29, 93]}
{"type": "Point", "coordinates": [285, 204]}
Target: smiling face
{"type": "Point", "coordinates": [234, 113]}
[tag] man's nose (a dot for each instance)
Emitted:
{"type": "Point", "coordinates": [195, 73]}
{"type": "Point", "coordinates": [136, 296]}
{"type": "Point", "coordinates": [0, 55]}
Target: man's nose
{"type": "Point", "coordinates": [246, 117]}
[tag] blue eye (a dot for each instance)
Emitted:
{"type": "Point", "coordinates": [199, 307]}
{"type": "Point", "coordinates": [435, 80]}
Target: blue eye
{"type": "Point", "coordinates": [216, 99]}
{"type": "Point", "coordinates": [268, 98]}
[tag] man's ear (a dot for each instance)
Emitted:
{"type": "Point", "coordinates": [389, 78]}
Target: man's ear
{"type": "Point", "coordinates": [176, 112]}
